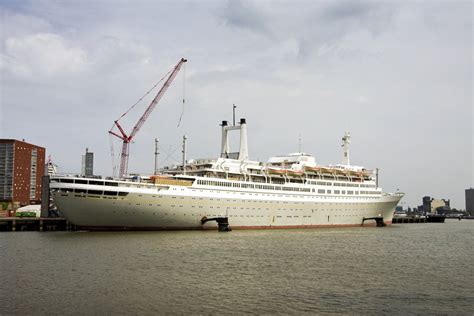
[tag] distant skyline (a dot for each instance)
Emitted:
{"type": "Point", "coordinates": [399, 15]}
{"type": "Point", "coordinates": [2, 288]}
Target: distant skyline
{"type": "Point", "coordinates": [397, 74]}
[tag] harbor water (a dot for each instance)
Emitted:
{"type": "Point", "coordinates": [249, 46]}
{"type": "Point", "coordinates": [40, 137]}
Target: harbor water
{"type": "Point", "coordinates": [402, 269]}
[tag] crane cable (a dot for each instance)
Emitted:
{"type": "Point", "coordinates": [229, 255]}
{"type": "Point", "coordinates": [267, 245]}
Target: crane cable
{"type": "Point", "coordinates": [147, 93]}
{"type": "Point", "coordinates": [170, 154]}
{"type": "Point", "coordinates": [184, 94]}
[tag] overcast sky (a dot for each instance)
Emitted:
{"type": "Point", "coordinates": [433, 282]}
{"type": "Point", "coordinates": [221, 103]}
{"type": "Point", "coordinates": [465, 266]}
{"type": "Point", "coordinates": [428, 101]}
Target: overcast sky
{"type": "Point", "coordinates": [397, 74]}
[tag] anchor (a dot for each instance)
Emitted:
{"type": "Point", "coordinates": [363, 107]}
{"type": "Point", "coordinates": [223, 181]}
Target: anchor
{"type": "Point", "coordinates": [222, 223]}
{"type": "Point", "coordinates": [378, 220]}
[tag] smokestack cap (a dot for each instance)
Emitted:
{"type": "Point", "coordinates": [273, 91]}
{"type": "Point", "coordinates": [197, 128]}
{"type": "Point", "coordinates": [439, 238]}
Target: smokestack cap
{"type": "Point", "coordinates": [243, 121]}
{"type": "Point", "coordinates": [224, 123]}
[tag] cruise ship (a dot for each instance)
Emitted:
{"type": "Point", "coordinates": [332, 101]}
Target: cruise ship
{"type": "Point", "coordinates": [290, 191]}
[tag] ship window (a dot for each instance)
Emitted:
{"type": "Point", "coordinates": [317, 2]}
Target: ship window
{"type": "Point", "coordinates": [78, 181]}
{"type": "Point", "coordinates": [95, 192]}
{"type": "Point", "coordinates": [337, 192]}
{"type": "Point", "coordinates": [321, 191]}
{"type": "Point", "coordinates": [94, 182]}
{"type": "Point", "coordinates": [66, 180]}
{"type": "Point", "coordinates": [112, 193]}
{"type": "Point", "coordinates": [123, 193]}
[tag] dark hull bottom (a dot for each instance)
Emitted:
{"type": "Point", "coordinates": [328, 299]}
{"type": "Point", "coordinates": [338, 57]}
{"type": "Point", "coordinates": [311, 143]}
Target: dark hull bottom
{"type": "Point", "coordinates": [435, 219]}
{"type": "Point", "coordinates": [115, 228]}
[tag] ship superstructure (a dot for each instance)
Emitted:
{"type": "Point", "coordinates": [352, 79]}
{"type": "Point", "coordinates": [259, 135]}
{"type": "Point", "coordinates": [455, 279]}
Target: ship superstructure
{"type": "Point", "coordinates": [284, 192]}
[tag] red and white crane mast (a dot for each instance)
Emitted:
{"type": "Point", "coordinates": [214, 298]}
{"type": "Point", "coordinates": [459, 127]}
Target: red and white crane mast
{"type": "Point", "coordinates": [127, 139]}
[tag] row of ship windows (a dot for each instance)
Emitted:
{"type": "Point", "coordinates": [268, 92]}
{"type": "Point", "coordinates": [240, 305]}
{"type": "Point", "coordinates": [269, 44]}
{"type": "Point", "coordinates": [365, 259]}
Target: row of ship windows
{"type": "Point", "coordinates": [85, 181]}
{"type": "Point", "coordinates": [93, 192]}
{"type": "Point", "coordinates": [100, 182]}
{"type": "Point", "coordinates": [252, 186]}
{"type": "Point", "coordinates": [250, 208]}
{"type": "Point", "coordinates": [230, 215]}
{"type": "Point", "coordinates": [116, 193]}
{"type": "Point", "coordinates": [223, 184]}
{"type": "Point", "coordinates": [349, 192]}
{"type": "Point", "coordinates": [320, 191]}
{"type": "Point", "coordinates": [352, 185]}
{"type": "Point", "coordinates": [278, 187]}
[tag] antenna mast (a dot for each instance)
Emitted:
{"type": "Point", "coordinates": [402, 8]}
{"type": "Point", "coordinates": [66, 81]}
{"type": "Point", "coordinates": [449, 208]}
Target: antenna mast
{"type": "Point", "coordinates": [299, 143]}
{"type": "Point", "coordinates": [184, 154]}
{"type": "Point", "coordinates": [233, 113]}
{"type": "Point", "coordinates": [157, 141]}
{"type": "Point", "coordinates": [345, 144]}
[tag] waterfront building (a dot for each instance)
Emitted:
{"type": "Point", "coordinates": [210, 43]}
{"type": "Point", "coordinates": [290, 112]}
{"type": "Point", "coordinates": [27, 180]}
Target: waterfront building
{"type": "Point", "coordinates": [426, 207]}
{"type": "Point", "coordinates": [87, 164]}
{"type": "Point", "coordinates": [470, 201]}
{"type": "Point", "coordinates": [435, 206]}
{"type": "Point", "coordinates": [21, 169]}
{"type": "Point", "coordinates": [440, 206]}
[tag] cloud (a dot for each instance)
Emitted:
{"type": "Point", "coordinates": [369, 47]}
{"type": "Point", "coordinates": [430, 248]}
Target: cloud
{"type": "Point", "coordinates": [19, 25]}
{"type": "Point", "coordinates": [112, 54]}
{"type": "Point", "coordinates": [244, 15]}
{"type": "Point", "coordinates": [315, 28]}
{"type": "Point", "coordinates": [399, 74]}
{"type": "Point", "coordinates": [42, 55]}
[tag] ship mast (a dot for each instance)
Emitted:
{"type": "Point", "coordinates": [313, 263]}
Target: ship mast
{"type": "Point", "coordinates": [157, 141]}
{"type": "Point", "coordinates": [345, 144]}
{"type": "Point", "coordinates": [184, 154]}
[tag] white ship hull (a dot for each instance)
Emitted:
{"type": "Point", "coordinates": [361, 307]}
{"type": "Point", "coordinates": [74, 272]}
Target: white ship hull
{"type": "Point", "coordinates": [183, 207]}
{"type": "Point", "coordinates": [286, 192]}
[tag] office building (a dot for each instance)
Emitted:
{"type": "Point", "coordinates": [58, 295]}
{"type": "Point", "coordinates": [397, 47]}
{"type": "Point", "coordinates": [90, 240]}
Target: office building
{"type": "Point", "coordinates": [87, 164]}
{"type": "Point", "coordinates": [470, 201]}
{"type": "Point", "coordinates": [21, 169]}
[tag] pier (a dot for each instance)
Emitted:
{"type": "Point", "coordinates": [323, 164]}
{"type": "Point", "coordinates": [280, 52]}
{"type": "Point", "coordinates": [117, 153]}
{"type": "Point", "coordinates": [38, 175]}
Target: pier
{"type": "Point", "coordinates": [12, 224]}
{"type": "Point", "coordinates": [408, 220]}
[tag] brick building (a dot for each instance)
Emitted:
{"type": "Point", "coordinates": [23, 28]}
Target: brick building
{"type": "Point", "coordinates": [21, 169]}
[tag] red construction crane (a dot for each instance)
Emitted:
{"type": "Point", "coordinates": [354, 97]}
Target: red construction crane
{"type": "Point", "coordinates": [127, 139]}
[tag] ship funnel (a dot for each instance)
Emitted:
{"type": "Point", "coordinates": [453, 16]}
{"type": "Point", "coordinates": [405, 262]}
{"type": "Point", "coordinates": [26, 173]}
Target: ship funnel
{"type": "Point", "coordinates": [225, 140]}
{"type": "Point", "coordinates": [243, 153]}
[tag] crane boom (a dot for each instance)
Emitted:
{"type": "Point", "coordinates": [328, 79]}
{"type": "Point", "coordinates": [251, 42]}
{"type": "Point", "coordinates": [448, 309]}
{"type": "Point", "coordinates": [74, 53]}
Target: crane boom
{"type": "Point", "coordinates": [157, 98]}
{"type": "Point", "coordinates": [127, 139]}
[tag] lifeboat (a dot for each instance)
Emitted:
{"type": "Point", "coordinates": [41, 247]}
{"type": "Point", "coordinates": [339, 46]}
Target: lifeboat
{"type": "Point", "coordinates": [288, 172]}
{"type": "Point", "coordinates": [312, 169]}
{"type": "Point", "coordinates": [354, 173]}
{"type": "Point", "coordinates": [326, 170]}
{"type": "Point", "coordinates": [366, 173]}
{"type": "Point", "coordinates": [340, 172]}
{"type": "Point", "coordinates": [276, 171]}
{"type": "Point", "coordinates": [295, 173]}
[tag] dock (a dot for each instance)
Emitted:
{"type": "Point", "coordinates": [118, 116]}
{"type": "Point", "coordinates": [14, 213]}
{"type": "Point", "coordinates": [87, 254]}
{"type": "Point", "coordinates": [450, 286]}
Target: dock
{"type": "Point", "coordinates": [13, 224]}
{"type": "Point", "coordinates": [408, 220]}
